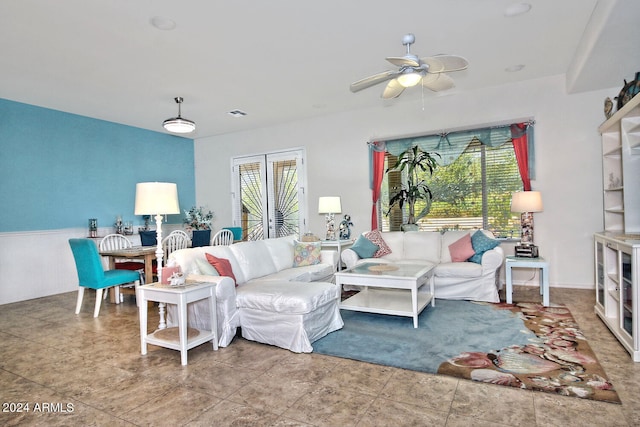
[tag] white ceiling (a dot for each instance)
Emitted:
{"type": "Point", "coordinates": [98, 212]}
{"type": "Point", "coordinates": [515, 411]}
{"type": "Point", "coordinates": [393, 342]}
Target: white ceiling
{"type": "Point", "coordinates": [285, 60]}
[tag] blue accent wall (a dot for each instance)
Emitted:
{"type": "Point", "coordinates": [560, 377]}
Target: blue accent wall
{"type": "Point", "coordinates": [57, 170]}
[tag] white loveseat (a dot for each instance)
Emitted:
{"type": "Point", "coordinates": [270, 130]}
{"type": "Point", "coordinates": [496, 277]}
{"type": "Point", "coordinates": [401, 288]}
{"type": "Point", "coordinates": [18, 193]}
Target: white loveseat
{"type": "Point", "coordinates": [452, 280]}
{"type": "Point", "coordinates": [273, 302]}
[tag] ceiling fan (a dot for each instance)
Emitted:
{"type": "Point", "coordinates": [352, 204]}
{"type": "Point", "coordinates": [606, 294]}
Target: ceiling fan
{"type": "Point", "coordinates": [413, 70]}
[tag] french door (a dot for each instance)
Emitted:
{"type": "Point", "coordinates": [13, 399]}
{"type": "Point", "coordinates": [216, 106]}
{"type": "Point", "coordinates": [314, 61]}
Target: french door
{"type": "Point", "coordinates": [268, 194]}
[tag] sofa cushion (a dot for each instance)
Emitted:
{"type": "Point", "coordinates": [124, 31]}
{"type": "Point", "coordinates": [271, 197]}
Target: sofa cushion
{"type": "Point", "coordinates": [253, 258]}
{"type": "Point", "coordinates": [309, 273]}
{"type": "Point", "coordinates": [205, 267]}
{"type": "Point", "coordinates": [481, 243]}
{"type": "Point", "coordinates": [364, 247]}
{"type": "Point", "coordinates": [462, 249]}
{"type": "Point", "coordinates": [286, 297]}
{"type": "Point", "coordinates": [395, 242]}
{"type": "Point", "coordinates": [306, 253]}
{"type": "Point", "coordinates": [281, 250]}
{"type": "Point", "coordinates": [458, 270]}
{"type": "Point", "coordinates": [222, 266]}
{"type": "Point", "coordinates": [376, 238]}
{"type": "Point", "coordinates": [422, 245]}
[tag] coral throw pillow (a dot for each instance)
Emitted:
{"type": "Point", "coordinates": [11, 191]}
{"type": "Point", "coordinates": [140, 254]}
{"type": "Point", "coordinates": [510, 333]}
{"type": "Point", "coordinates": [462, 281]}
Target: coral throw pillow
{"type": "Point", "coordinates": [376, 238]}
{"type": "Point", "coordinates": [222, 266]}
{"type": "Point", "coordinates": [462, 249]}
{"type": "Point", "coordinates": [306, 253]}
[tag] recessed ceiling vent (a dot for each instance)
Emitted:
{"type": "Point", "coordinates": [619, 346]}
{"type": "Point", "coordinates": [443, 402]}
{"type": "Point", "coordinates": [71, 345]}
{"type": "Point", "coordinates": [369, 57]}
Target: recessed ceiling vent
{"type": "Point", "coordinates": [237, 113]}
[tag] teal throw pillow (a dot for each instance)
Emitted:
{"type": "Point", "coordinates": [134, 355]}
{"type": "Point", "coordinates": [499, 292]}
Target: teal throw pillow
{"type": "Point", "coordinates": [481, 243]}
{"type": "Point", "coordinates": [364, 247]}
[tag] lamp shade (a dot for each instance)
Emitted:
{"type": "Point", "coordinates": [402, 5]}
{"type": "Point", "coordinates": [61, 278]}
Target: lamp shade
{"type": "Point", "coordinates": [526, 201]}
{"type": "Point", "coordinates": [329, 205]}
{"type": "Point", "coordinates": [153, 198]}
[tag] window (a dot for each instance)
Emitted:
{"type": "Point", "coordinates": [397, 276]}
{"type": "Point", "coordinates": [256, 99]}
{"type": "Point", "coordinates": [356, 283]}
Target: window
{"type": "Point", "coordinates": [473, 191]}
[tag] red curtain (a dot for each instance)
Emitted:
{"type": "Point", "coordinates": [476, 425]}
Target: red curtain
{"type": "Point", "coordinates": [519, 136]}
{"type": "Point", "coordinates": [377, 169]}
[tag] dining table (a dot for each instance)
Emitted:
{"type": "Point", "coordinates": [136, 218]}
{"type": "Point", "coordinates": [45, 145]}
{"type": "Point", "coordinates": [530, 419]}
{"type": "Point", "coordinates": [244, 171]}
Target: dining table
{"type": "Point", "coordinates": [146, 253]}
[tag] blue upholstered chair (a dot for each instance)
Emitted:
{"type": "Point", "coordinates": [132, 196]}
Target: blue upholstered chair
{"type": "Point", "coordinates": [92, 275]}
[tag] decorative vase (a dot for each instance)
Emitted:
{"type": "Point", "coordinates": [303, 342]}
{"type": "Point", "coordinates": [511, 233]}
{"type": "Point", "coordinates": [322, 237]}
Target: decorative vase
{"type": "Point", "coordinates": [201, 238]}
{"type": "Point", "coordinates": [410, 227]}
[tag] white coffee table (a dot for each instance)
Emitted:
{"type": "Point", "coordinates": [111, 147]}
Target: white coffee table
{"type": "Point", "coordinates": [385, 288]}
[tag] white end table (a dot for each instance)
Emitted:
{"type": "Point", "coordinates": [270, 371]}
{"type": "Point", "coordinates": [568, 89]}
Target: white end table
{"type": "Point", "coordinates": [339, 245]}
{"type": "Point", "coordinates": [181, 296]}
{"type": "Point", "coordinates": [521, 262]}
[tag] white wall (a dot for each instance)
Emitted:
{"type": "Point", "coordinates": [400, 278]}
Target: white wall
{"type": "Point", "coordinates": [567, 151]}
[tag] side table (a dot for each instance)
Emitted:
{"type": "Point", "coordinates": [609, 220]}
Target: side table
{"type": "Point", "coordinates": [339, 245]}
{"type": "Point", "coordinates": [181, 296]}
{"type": "Point", "coordinates": [521, 262]}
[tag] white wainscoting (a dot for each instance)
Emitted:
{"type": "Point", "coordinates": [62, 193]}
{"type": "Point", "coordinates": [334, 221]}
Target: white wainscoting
{"type": "Point", "coordinates": [36, 264]}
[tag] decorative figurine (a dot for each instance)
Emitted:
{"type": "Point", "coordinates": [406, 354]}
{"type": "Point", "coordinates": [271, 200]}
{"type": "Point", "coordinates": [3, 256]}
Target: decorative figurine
{"type": "Point", "coordinates": [345, 231]}
{"type": "Point", "coordinates": [608, 107]}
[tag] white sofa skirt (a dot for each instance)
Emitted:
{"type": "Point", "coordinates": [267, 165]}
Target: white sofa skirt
{"type": "Point", "coordinates": [295, 332]}
{"type": "Point", "coordinates": [198, 315]}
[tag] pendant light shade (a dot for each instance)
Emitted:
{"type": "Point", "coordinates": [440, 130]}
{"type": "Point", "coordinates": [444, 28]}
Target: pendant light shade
{"type": "Point", "coordinates": [179, 124]}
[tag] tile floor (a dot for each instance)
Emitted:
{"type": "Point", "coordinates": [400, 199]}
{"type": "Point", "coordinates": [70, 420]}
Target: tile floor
{"type": "Point", "coordinates": [77, 370]}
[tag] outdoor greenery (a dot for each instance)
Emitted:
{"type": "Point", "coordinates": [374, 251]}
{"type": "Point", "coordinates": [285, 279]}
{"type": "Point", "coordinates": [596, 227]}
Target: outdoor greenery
{"type": "Point", "coordinates": [456, 193]}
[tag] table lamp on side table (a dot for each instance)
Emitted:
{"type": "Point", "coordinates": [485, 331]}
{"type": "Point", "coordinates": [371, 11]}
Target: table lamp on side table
{"type": "Point", "coordinates": [526, 202]}
{"type": "Point", "coordinates": [157, 198]}
{"type": "Point", "coordinates": [330, 206]}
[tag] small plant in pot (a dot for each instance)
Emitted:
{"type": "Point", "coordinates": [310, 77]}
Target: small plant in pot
{"type": "Point", "coordinates": [416, 162]}
{"type": "Point", "coordinates": [198, 221]}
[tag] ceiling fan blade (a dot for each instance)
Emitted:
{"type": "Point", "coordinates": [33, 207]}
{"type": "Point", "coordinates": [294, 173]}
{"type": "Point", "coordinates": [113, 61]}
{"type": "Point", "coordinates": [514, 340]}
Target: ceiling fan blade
{"type": "Point", "coordinates": [445, 63]}
{"type": "Point", "coordinates": [372, 80]}
{"type": "Point", "coordinates": [393, 89]}
{"type": "Point", "coordinates": [437, 82]}
{"type": "Point", "coordinates": [403, 61]}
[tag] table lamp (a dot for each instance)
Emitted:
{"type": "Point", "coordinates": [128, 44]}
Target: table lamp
{"type": "Point", "coordinates": [526, 202]}
{"type": "Point", "coordinates": [330, 206]}
{"type": "Point", "coordinates": [157, 198]}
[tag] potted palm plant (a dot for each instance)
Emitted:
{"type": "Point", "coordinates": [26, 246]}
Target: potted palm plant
{"type": "Point", "coordinates": [416, 162]}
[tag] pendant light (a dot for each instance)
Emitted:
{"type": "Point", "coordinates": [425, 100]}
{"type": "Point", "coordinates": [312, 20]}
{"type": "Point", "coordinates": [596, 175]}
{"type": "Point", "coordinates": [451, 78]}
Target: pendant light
{"type": "Point", "coordinates": [178, 124]}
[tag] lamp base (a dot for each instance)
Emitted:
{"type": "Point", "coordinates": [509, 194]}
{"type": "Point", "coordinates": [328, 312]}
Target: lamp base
{"type": "Point", "coordinates": [331, 227]}
{"type": "Point", "coordinates": [527, 251]}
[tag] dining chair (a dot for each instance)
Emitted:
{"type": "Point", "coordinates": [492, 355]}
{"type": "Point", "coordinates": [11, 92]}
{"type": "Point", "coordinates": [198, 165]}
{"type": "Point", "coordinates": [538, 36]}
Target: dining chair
{"type": "Point", "coordinates": [222, 237]}
{"type": "Point", "coordinates": [114, 241]}
{"type": "Point", "coordinates": [174, 241]}
{"type": "Point", "coordinates": [92, 275]}
{"type": "Point", "coordinates": [181, 233]}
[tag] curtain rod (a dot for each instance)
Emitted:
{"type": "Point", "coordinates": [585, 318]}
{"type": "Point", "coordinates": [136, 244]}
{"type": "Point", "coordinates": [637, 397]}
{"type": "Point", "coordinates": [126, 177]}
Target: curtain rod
{"type": "Point", "coordinates": [528, 123]}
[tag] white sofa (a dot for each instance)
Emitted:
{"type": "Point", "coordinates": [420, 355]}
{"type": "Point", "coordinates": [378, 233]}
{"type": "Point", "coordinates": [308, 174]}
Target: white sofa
{"type": "Point", "coordinates": [273, 302]}
{"type": "Point", "coordinates": [452, 280]}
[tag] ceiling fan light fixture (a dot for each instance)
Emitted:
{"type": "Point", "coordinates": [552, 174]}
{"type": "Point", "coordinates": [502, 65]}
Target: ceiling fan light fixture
{"type": "Point", "coordinates": [179, 124]}
{"type": "Point", "coordinates": [409, 79]}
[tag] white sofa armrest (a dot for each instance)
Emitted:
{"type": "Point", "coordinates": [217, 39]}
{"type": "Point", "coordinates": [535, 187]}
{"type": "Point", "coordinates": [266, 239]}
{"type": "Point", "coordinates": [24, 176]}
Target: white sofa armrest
{"type": "Point", "coordinates": [349, 257]}
{"type": "Point", "coordinates": [492, 259]}
{"type": "Point", "coordinates": [328, 256]}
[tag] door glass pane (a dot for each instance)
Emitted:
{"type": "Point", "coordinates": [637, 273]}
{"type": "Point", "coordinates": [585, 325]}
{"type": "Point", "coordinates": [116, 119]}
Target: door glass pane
{"type": "Point", "coordinates": [251, 212]}
{"type": "Point", "coordinates": [285, 218]}
{"type": "Point", "coordinates": [600, 273]}
{"type": "Point", "coordinates": [627, 300]}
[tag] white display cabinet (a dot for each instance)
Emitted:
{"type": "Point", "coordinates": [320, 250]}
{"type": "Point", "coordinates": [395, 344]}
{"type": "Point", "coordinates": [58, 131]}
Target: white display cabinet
{"type": "Point", "coordinates": [617, 288]}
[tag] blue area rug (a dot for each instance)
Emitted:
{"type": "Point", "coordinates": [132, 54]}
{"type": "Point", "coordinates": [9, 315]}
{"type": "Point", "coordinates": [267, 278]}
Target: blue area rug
{"type": "Point", "coordinates": [521, 345]}
{"type": "Point", "coordinates": [446, 330]}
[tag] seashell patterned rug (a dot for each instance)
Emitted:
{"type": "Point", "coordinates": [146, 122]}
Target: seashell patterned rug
{"type": "Point", "coordinates": [523, 345]}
